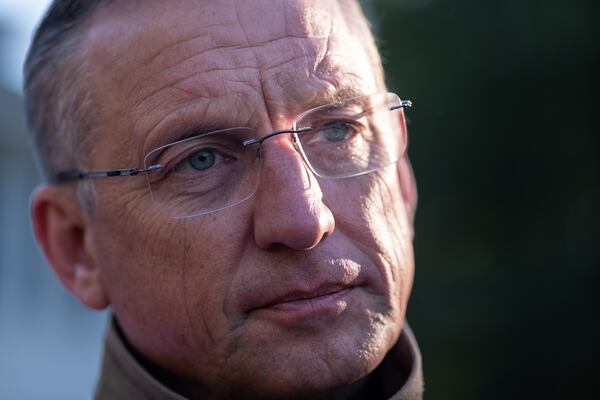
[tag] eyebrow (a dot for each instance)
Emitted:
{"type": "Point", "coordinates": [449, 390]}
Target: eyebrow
{"type": "Point", "coordinates": [342, 93]}
{"type": "Point", "coordinates": [180, 130]}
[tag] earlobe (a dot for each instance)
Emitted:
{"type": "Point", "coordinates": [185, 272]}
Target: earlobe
{"type": "Point", "coordinates": [60, 229]}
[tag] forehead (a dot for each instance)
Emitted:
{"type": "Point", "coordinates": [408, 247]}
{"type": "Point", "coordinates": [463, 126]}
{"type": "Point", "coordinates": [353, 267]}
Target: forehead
{"type": "Point", "coordinates": [159, 67]}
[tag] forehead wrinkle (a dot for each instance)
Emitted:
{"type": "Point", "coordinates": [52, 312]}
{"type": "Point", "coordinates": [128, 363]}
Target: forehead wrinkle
{"type": "Point", "coordinates": [202, 63]}
{"type": "Point", "coordinates": [307, 26]}
{"type": "Point", "coordinates": [330, 77]}
{"type": "Point", "coordinates": [165, 53]}
{"type": "Point", "coordinates": [345, 32]}
{"type": "Point", "coordinates": [210, 87]}
{"type": "Point", "coordinates": [202, 58]}
{"type": "Point", "coordinates": [118, 34]}
{"type": "Point", "coordinates": [164, 60]}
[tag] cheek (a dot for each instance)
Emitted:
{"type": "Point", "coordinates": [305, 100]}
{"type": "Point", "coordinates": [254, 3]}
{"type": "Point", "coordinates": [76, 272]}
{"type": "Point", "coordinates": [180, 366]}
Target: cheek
{"type": "Point", "coordinates": [370, 211]}
{"type": "Point", "coordinates": [140, 259]}
{"type": "Point", "coordinates": [169, 279]}
{"type": "Point", "coordinates": [211, 254]}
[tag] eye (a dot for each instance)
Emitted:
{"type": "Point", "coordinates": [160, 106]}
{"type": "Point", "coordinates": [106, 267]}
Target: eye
{"type": "Point", "coordinates": [337, 131]}
{"type": "Point", "coordinates": [202, 159]}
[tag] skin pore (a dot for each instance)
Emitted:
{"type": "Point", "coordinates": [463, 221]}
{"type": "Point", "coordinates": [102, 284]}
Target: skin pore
{"type": "Point", "coordinates": [195, 296]}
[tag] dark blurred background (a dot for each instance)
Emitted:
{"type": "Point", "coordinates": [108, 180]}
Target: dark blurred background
{"type": "Point", "coordinates": [504, 143]}
{"type": "Point", "coordinates": [506, 151]}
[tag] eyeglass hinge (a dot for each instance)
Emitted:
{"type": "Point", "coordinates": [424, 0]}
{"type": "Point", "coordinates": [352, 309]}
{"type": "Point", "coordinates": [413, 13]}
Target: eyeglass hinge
{"type": "Point", "coordinates": [132, 171]}
{"type": "Point", "coordinates": [403, 104]}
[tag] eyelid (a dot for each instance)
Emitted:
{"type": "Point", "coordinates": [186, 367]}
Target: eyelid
{"type": "Point", "coordinates": [318, 125]}
{"type": "Point", "coordinates": [349, 116]}
{"type": "Point", "coordinates": [178, 135]}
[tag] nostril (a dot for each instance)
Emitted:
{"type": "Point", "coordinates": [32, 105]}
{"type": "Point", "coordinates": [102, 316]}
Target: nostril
{"type": "Point", "coordinates": [297, 226]}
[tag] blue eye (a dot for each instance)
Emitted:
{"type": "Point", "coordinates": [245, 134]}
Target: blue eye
{"type": "Point", "coordinates": [202, 159]}
{"type": "Point", "coordinates": [336, 131]}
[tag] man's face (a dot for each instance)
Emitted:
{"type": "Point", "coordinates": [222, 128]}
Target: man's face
{"type": "Point", "coordinates": [304, 286]}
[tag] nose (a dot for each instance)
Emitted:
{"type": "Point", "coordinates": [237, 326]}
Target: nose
{"type": "Point", "coordinates": [289, 207]}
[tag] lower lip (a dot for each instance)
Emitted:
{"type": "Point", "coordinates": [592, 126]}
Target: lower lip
{"type": "Point", "coordinates": [329, 305]}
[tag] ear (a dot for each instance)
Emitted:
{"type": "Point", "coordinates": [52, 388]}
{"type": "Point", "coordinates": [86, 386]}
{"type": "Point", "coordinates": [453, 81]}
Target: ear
{"type": "Point", "coordinates": [63, 233]}
{"type": "Point", "coordinates": [408, 183]}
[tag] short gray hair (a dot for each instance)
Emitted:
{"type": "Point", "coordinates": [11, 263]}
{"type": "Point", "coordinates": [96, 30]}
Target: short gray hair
{"type": "Point", "coordinates": [58, 104]}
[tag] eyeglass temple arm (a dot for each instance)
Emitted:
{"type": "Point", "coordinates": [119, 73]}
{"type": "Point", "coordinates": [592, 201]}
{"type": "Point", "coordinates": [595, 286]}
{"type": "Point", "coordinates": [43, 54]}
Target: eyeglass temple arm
{"type": "Point", "coordinates": [101, 173]}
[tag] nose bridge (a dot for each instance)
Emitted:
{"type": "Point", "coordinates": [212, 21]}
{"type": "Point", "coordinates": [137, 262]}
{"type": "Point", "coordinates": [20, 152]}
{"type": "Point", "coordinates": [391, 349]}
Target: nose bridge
{"type": "Point", "coordinates": [289, 205]}
{"type": "Point", "coordinates": [283, 163]}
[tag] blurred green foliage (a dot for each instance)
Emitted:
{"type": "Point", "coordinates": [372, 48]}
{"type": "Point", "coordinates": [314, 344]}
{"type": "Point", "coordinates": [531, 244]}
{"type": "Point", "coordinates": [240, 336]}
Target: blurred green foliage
{"type": "Point", "coordinates": [505, 145]}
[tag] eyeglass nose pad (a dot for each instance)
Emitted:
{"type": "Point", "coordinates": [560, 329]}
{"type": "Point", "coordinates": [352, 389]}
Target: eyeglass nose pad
{"type": "Point", "coordinates": [296, 144]}
{"type": "Point", "coordinates": [298, 147]}
{"type": "Point", "coordinates": [310, 174]}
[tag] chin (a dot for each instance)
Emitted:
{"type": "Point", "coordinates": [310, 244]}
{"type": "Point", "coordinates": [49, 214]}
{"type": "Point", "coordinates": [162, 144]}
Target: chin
{"type": "Point", "coordinates": [313, 366]}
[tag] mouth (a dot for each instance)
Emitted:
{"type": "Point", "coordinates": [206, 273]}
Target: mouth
{"type": "Point", "coordinates": [327, 301]}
